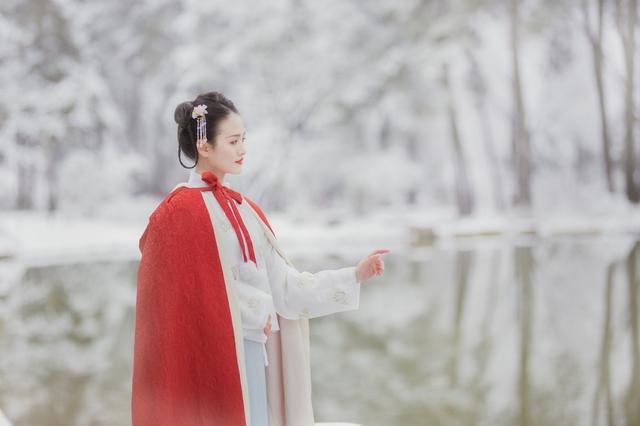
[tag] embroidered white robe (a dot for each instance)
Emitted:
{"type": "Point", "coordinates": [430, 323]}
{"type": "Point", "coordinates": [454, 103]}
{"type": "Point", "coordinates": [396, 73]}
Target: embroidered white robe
{"type": "Point", "coordinates": [274, 286]}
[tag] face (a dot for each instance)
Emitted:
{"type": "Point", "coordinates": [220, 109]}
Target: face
{"type": "Point", "coordinates": [228, 149]}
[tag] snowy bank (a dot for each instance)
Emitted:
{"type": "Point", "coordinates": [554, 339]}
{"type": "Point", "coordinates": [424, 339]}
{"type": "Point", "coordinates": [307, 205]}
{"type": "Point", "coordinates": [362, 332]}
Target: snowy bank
{"type": "Point", "coordinates": [38, 239]}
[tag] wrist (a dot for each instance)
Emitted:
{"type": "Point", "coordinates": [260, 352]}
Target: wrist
{"type": "Point", "coordinates": [357, 275]}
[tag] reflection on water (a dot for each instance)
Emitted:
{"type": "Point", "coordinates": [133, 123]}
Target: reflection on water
{"type": "Point", "coordinates": [66, 335]}
{"type": "Point", "coordinates": [500, 333]}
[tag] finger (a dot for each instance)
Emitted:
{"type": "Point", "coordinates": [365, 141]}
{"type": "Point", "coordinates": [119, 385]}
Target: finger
{"type": "Point", "coordinates": [379, 251]}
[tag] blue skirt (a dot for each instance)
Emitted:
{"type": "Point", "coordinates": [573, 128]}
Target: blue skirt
{"type": "Point", "coordinates": [256, 380]}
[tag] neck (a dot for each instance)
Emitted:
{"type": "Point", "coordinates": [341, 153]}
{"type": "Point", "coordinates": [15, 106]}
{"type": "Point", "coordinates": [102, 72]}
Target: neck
{"type": "Point", "coordinates": [219, 174]}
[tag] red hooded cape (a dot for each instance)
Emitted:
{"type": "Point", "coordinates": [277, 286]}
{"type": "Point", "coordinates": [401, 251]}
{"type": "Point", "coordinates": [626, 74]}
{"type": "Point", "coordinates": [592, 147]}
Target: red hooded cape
{"type": "Point", "coordinates": [185, 363]}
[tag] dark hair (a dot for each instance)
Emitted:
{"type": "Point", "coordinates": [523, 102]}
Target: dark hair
{"type": "Point", "coordinates": [218, 108]}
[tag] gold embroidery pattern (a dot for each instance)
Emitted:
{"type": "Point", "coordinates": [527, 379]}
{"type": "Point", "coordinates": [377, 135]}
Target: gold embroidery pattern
{"type": "Point", "coordinates": [340, 297]}
{"type": "Point", "coordinates": [225, 226]}
{"type": "Point", "coordinates": [306, 280]}
{"type": "Point", "coordinates": [254, 304]}
{"type": "Point", "coordinates": [304, 313]}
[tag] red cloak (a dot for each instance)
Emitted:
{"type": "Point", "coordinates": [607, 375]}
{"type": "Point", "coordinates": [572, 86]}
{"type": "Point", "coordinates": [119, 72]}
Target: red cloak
{"type": "Point", "coordinates": [186, 368]}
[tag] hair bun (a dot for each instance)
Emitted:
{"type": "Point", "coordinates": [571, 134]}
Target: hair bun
{"type": "Point", "coordinates": [182, 115]}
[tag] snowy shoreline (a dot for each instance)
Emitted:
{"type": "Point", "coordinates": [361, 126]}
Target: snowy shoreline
{"type": "Point", "coordinates": [37, 239]}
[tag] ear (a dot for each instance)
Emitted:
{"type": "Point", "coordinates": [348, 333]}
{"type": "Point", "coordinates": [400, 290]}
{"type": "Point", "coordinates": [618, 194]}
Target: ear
{"type": "Point", "coordinates": [204, 149]}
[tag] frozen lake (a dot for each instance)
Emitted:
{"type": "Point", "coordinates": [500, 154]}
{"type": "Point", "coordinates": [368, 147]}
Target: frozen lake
{"type": "Point", "coordinates": [487, 331]}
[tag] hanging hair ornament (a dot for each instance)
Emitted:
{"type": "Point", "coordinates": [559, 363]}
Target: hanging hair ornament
{"type": "Point", "coordinates": [199, 113]}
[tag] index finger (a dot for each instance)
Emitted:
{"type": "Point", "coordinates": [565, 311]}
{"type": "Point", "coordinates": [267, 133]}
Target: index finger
{"type": "Point", "coordinates": [379, 251]}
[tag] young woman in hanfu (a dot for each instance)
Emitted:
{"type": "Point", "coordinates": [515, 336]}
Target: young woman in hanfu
{"type": "Point", "coordinates": [221, 330]}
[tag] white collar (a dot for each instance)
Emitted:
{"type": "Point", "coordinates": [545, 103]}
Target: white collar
{"type": "Point", "coordinates": [195, 180]}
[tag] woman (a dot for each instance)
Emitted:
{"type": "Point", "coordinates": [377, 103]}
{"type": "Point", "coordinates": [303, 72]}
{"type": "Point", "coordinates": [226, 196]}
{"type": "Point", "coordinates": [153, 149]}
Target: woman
{"type": "Point", "coordinates": [221, 333]}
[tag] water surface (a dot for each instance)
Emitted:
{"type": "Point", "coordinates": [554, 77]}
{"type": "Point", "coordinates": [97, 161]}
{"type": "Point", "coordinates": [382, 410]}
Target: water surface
{"type": "Point", "coordinates": [485, 332]}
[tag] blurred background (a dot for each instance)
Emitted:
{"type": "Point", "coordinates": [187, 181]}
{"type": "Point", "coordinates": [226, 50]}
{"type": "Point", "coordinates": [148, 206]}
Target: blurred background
{"type": "Point", "coordinates": [491, 145]}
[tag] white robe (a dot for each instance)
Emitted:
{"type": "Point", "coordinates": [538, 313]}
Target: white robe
{"type": "Point", "coordinates": [274, 286]}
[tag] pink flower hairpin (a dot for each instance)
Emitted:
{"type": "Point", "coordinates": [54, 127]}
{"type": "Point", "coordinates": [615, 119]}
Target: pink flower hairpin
{"type": "Point", "coordinates": [198, 113]}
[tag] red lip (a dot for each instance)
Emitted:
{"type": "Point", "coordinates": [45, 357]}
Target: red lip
{"type": "Point", "coordinates": [240, 161]}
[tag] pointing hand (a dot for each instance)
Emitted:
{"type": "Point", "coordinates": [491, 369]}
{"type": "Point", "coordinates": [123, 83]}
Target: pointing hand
{"type": "Point", "coordinates": [371, 265]}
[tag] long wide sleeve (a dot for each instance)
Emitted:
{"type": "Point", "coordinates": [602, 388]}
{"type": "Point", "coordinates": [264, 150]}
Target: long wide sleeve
{"type": "Point", "coordinates": [309, 295]}
{"type": "Point", "coordinates": [255, 308]}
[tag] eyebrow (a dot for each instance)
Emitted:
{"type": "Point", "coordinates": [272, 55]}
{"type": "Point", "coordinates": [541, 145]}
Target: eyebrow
{"type": "Point", "coordinates": [233, 136]}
